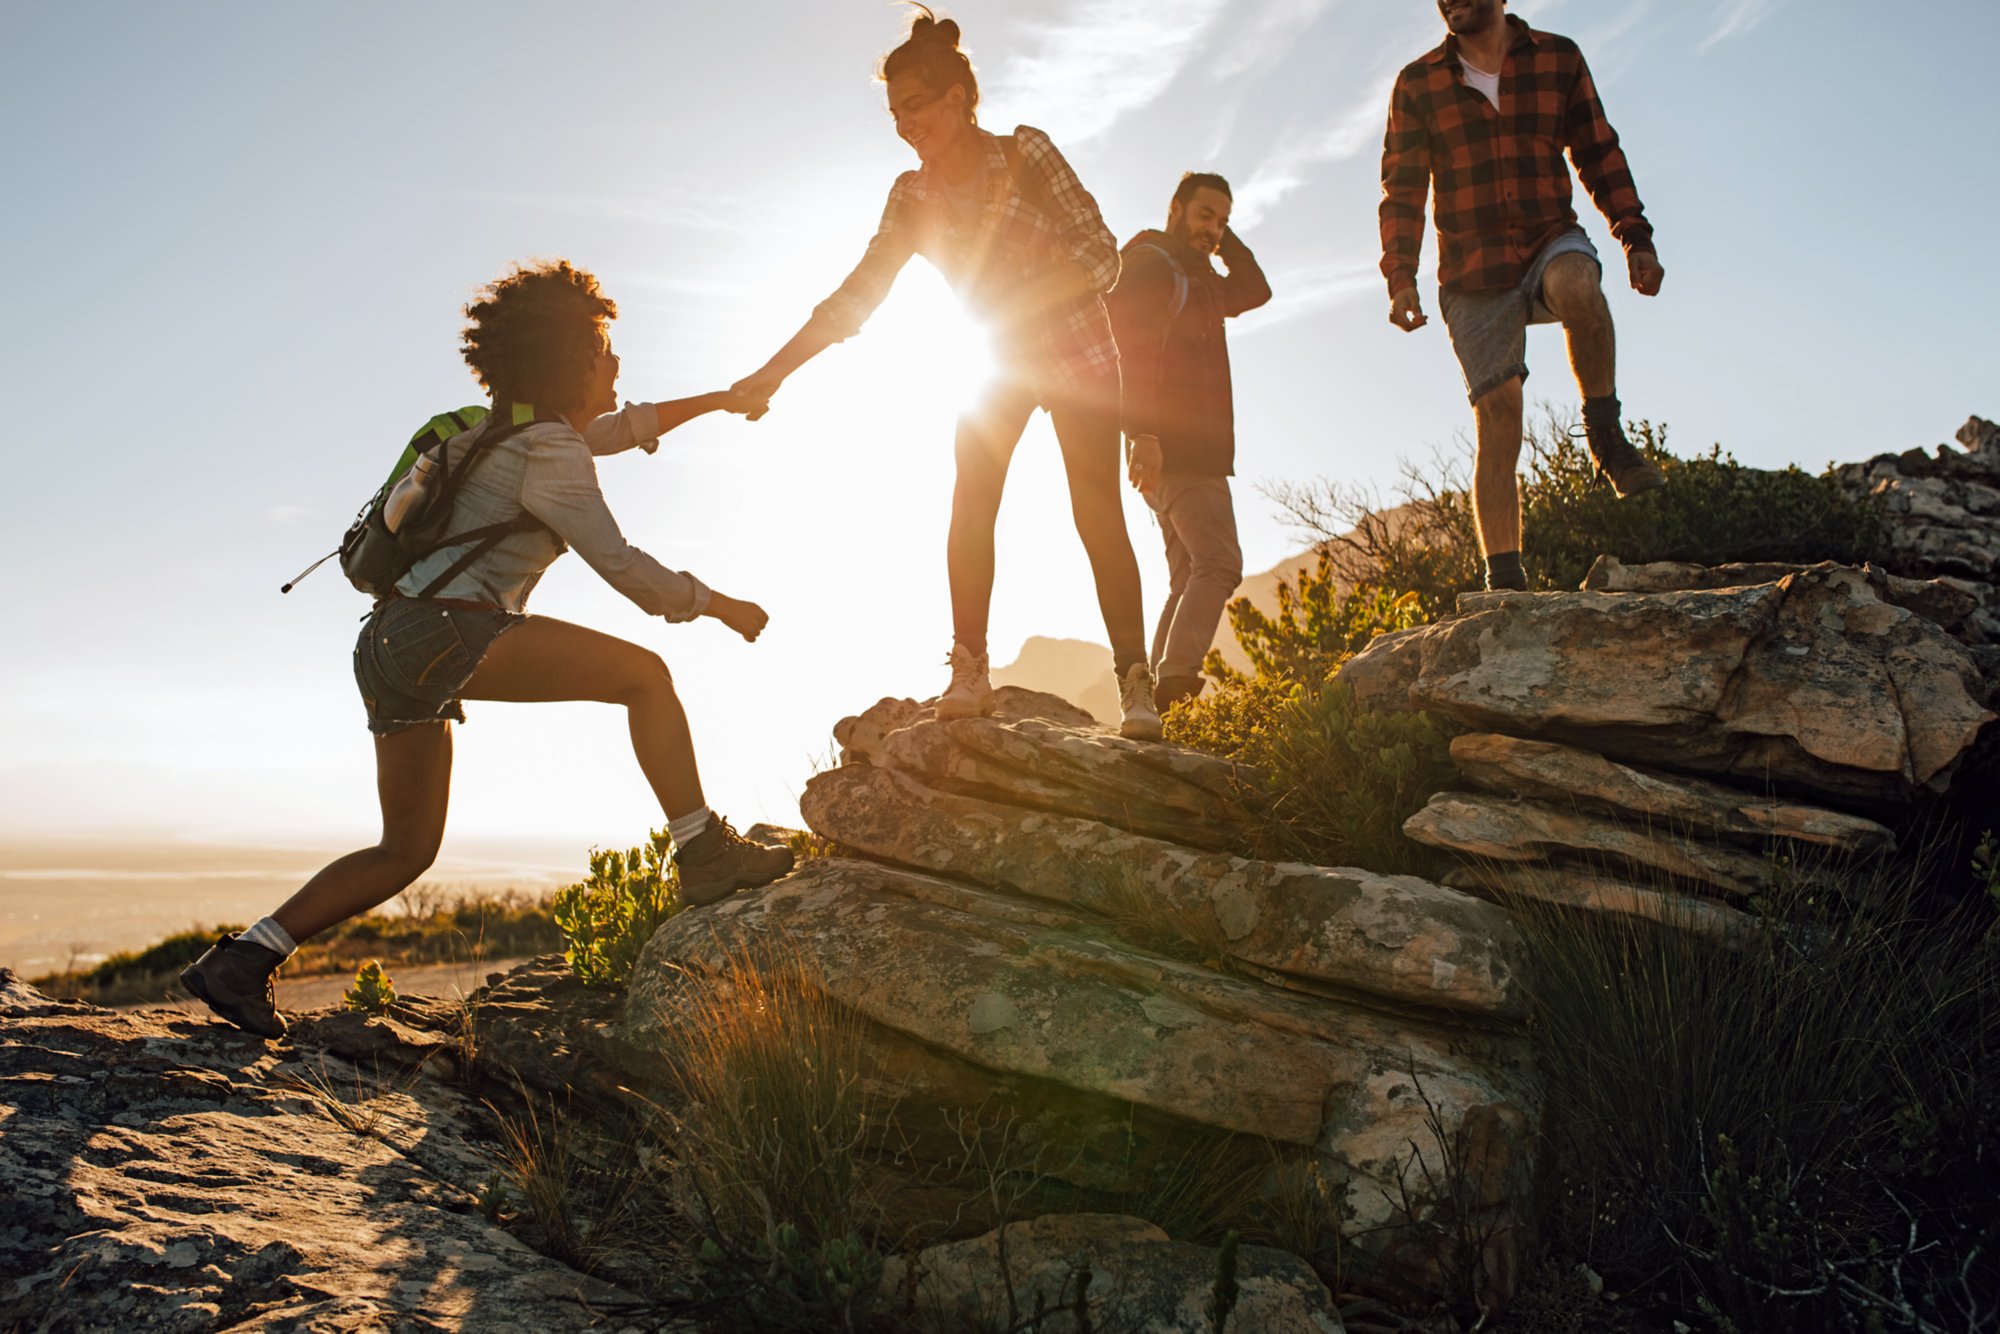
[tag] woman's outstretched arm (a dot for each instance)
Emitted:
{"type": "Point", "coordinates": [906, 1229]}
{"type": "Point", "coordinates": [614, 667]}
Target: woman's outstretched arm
{"type": "Point", "coordinates": [841, 315]}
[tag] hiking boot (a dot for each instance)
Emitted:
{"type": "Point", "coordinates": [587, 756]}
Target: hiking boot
{"type": "Point", "coordinates": [234, 979]}
{"type": "Point", "coordinates": [970, 693]}
{"type": "Point", "coordinates": [1628, 471]}
{"type": "Point", "coordinates": [719, 861]}
{"type": "Point", "coordinates": [1141, 720]}
{"type": "Point", "coordinates": [1173, 690]}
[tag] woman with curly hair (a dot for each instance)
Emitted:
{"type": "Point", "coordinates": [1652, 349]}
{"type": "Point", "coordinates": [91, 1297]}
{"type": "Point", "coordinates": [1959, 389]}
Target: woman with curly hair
{"type": "Point", "coordinates": [453, 631]}
{"type": "Point", "coordinates": [1015, 233]}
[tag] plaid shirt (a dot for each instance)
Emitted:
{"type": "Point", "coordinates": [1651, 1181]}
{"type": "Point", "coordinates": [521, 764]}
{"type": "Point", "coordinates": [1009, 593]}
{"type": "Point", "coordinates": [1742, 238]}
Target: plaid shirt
{"type": "Point", "coordinates": [1024, 227]}
{"type": "Point", "coordinates": [1503, 190]}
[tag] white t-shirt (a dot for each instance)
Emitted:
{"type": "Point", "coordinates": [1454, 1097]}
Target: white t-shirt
{"type": "Point", "coordinates": [1479, 79]}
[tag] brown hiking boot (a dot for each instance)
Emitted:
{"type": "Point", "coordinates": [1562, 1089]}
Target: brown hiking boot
{"type": "Point", "coordinates": [1172, 690]}
{"type": "Point", "coordinates": [234, 979]}
{"type": "Point", "coordinates": [719, 861]}
{"type": "Point", "coordinates": [1620, 462]}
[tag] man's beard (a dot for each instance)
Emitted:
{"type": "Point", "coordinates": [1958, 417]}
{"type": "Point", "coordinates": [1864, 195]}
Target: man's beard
{"type": "Point", "coordinates": [1484, 16]}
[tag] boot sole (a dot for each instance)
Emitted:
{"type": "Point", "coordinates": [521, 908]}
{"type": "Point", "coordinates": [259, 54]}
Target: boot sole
{"type": "Point", "coordinates": [229, 1014]}
{"type": "Point", "coordinates": [1639, 487]}
{"type": "Point", "coordinates": [1141, 732]}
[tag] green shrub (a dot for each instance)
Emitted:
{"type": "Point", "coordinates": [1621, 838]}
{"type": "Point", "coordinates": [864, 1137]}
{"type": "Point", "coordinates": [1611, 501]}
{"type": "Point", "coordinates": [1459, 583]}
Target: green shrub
{"type": "Point", "coordinates": [1327, 782]}
{"type": "Point", "coordinates": [372, 992]}
{"type": "Point", "coordinates": [607, 919]}
{"type": "Point", "coordinates": [1804, 1129]}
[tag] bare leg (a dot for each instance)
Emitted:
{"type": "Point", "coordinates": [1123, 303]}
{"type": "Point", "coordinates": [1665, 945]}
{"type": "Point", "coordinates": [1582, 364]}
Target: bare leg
{"type": "Point", "coordinates": [1089, 439]}
{"type": "Point", "coordinates": [1572, 288]}
{"type": "Point", "coordinates": [1496, 495]}
{"type": "Point", "coordinates": [413, 781]}
{"type": "Point", "coordinates": [543, 660]}
{"type": "Point", "coordinates": [986, 438]}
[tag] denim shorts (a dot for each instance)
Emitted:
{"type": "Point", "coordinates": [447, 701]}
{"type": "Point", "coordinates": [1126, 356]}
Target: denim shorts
{"type": "Point", "coordinates": [413, 659]}
{"type": "Point", "coordinates": [1489, 330]}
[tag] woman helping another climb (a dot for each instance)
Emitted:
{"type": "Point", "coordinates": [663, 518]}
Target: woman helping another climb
{"type": "Point", "coordinates": [1021, 241]}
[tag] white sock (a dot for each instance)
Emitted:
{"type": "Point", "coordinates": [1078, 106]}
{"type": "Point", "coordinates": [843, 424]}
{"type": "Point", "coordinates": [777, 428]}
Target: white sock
{"type": "Point", "coordinates": [271, 936]}
{"type": "Point", "coordinates": [684, 829]}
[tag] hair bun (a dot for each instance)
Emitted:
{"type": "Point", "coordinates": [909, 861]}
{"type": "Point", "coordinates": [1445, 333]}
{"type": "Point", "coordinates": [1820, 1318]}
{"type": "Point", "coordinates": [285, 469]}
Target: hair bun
{"type": "Point", "coordinates": [929, 28]}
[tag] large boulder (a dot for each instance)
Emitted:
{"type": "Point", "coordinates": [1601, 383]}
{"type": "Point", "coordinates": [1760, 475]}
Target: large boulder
{"type": "Point", "coordinates": [1398, 937]}
{"type": "Point", "coordinates": [1042, 924]}
{"type": "Point", "coordinates": [1813, 683]}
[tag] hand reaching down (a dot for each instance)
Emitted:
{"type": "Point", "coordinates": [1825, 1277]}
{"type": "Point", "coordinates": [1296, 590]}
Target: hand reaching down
{"type": "Point", "coordinates": [1646, 272]}
{"type": "Point", "coordinates": [1406, 311]}
{"type": "Point", "coordinates": [745, 618]}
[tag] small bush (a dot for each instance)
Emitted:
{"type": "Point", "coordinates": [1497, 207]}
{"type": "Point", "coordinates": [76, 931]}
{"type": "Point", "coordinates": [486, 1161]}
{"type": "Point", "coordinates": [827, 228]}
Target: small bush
{"type": "Point", "coordinates": [607, 919]}
{"type": "Point", "coordinates": [372, 992]}
{"type": "Point", "coordinates": [1329, 783]}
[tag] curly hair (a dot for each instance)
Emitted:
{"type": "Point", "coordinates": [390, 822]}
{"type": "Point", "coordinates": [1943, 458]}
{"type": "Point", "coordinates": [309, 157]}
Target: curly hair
{"type": "Point", "coordinates": [533, 335]}
{"type": "Point", "coordinates": [931, 52]}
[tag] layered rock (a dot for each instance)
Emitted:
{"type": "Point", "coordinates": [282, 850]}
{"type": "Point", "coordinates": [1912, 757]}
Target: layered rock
{"type": "Point", "coordinates": [163, 1173]}
{"type": "Point", "coordinates": [1045, 924]}
{"type": "Point", "coordinates": [1123, 1271]}
{"type": "Point", "coordinates": [1813, 683]}
{"type": "Point", "coordinates": [1613, 721]}
{"type": "Point", "coordinates": [1944, 512]}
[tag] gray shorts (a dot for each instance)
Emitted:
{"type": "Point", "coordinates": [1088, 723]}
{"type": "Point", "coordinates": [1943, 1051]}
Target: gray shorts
{"type": "Point", "coordinates": [1489, 330]}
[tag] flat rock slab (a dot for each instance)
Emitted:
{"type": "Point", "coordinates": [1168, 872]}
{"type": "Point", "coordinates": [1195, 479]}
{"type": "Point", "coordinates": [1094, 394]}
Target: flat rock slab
{"type": "Point", "coordinates": [1813, 682]}
{"type": "Point", "coordinates": [1499, 829]}
{"type": "Point", "coordinates": [1551, 772]}
{"type": "Point", "coordinates": [1007, 988]}
{"type": "Point", "coordinates": [1042, 753]}
{"type": "Point", "coordinates": [1401, 938]}
{"type": "Point", "coordinates": [1597, 892]}
{"type": "Point", "coordinates": [176, 1175]}
{"type": "Point", "coordinates": [1129, 1275]}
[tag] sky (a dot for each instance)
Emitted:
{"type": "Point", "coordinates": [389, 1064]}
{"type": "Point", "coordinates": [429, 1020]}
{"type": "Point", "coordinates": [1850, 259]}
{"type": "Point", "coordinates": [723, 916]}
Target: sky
{"type": "Point", "coordinates": [241, 236]}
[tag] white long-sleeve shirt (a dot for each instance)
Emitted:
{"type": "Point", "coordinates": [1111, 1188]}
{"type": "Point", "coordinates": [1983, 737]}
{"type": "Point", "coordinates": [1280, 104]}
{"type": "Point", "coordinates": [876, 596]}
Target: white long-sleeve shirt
{"type": "Point", "coordinates": [549, 470]}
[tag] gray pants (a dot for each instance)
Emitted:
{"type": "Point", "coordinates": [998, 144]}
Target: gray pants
{"type": "Point", "coordinates": [1204, 566]}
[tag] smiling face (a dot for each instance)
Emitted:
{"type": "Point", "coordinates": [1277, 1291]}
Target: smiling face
{"type": "Point", "coordinates": [1469, 18]}
{"type": "Point", "coordinates": [1199, 223]}
{"type": "Point", "coordinates": [927, 120]}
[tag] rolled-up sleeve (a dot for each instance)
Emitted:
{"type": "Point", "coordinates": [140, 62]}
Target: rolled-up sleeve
{"type": "Point", "coordinates": [636, 425]}
{"type": "Point", "coordinates": [1085, 239]}
{"type": "Point", "coordinates": [843, 313]}
{"type": "Point", "coordinates": [559, 487]}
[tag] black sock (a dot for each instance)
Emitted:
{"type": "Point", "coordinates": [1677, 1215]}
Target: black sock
{"type": "Point", "coordinates": [1503, 571]}
{"type": "Point", "coordinates": [1602, 413]}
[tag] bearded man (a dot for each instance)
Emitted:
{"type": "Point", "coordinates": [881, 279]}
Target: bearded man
{"type": "Point", "coordinates": [1482, 122]}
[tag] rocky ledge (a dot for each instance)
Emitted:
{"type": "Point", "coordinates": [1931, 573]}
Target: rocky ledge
{"type": "Point", "coordinates": [165, 1173]}
{"type": "Point", "coordinates": [1034, 915]}
{"type": "Point", "coordinates": [1649, 745]}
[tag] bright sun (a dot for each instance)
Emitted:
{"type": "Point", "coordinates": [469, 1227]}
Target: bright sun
{"type": "Point", "coordinates": [942, 356]}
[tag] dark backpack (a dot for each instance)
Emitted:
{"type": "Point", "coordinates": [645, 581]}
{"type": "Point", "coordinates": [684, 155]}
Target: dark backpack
{"type": "Point", "coordinates": [450, 445]}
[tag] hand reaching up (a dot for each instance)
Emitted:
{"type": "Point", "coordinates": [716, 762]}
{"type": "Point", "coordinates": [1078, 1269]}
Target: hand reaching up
{"type": "Point", "coordinates": [745, 618]}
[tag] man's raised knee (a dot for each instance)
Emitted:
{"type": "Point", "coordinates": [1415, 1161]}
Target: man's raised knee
{"type": "Point", "coordinates": [1572, 284]}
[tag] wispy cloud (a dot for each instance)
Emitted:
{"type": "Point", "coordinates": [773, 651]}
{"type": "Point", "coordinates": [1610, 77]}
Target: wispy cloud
{"type": "Point", "coordinates": [1287, 166]}
{"type": "Point", "coordinates": [1265, 36]}
{"type": "Point", "coordinates": [1737, 17]}
{"type": "Point", "coordinates": [1107, 58]}
{"type": "Point", "coordinates": [1310, 288]}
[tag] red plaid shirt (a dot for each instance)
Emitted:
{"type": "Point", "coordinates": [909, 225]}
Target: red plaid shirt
{"type": "Point", "coordinates": [1503, 190]}
{"type": "Point", "coordinates": [1026, 225]}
